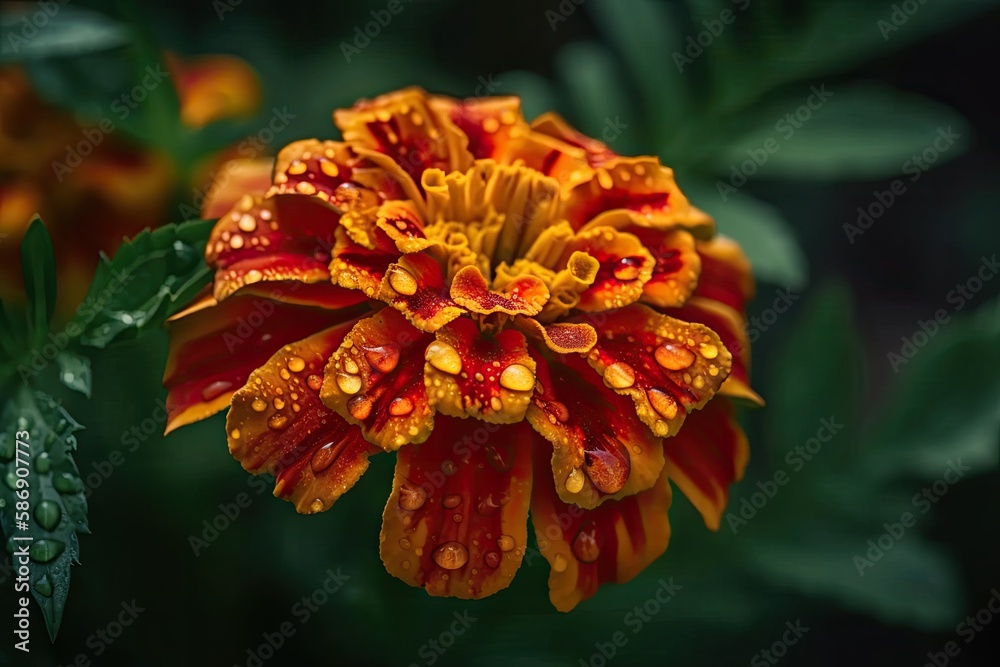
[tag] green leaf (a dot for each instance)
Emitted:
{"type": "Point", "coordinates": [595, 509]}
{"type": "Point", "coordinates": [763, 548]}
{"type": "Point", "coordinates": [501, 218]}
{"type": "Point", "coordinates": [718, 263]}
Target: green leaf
{"type": "Point", "coordinates": [760, 229]}
{"type": "Point", "coordinates": [924, 426]}
{"type": "Point", "coordinates": [860, 132]}
{"type": "Point", "coordinates": [818, 373]}
{"type": "Point", "coordinates": [593, 83]}
{"type": "Point", "coordinates": [646, 35]}
{"type": "Point", "coordinates": [38, 267]}
{"type": "Point", "coordinates": [74, 371]}
{"type": "Point", "coordinates": [38, 439]}
{"type": "Point", "coordinates": [67, 31]}
{"type": "Point", "coordinates": [149, 279]}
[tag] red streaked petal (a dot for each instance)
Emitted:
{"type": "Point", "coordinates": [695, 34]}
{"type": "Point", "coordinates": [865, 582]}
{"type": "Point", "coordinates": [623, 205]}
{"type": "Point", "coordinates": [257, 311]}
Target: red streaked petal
{"type": "Point", "coordinates": [233, 180]}
{"type": "Point", "coordinates": [553, 125]}
{"type": "Point", "coordinates": [708, 455]}
{"type": "Point", "coordinates": [524, 295]}
{"type": "Point", "coordinates": [376, 380]}
{"type": "Point", "coordinates": [279, 425]}
{"type": "Point", "coordinates": [415, 286]}
{"type": "Point", "coordinates": [280, 238]}
{"type": "Point", "coordinates": [489, 123]}
{"type": "Point", "coordinates": [401, 221]}
{"type": "Point", "coordinates": [334, 173]}
{"type": "Point", "coordinates": [456, 522]}
{"type": "Point", "coordinates": [601, 449]}
{"type": "Point", "coordinates": [625, 266]}
{"type": "Point", "coordinates": [676, 268]}
{"type": "Point", "coordinates": [215, 346]}
{"type": "Point", "coordinates": [668, 366]}
{"type": "Point", "coordinates": [469, 373]}
{"type": "Point", "coordinates": [356, 267]}
{"type": "Point", "coordinates": [588, 548]}
{"type": "Point", "coordinates": [639, 187]}
{"type": "Point", "coordinates": [402, 126]}
{"type": "Point", "coordinates": [730, 325]}
{"type": "Point", "coordinates": [562, 337]}
{"type": "Point", "coordinates": [726, 275]}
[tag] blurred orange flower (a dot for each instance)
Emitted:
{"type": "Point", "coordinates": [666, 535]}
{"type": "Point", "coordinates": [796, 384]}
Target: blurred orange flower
{"type": "Point", "coordinates": [116, 188]}
{"type": "Point", "coordinates": [531, 320]}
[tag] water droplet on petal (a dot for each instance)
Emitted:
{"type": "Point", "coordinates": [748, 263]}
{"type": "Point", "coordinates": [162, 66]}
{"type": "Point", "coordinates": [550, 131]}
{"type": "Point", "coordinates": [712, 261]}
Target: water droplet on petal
{"type": "Point", "coordinates": [452, 501]}
{"type": "Point", "coordinates": [383, 358]}
{"type": "Point", "coordinates": [662, 402]}
{"type": "Point", "coordinates": [277, 421]}
{"type": "Point", "coordinates": [314, 382]}
{"type": "Point", "coordinates": [296, 364]}
{"type": "Point", "coordinates": [517, 377]}
{"type": "Point", "coordinates": [411, 497]}
{"type": "Point", "coordinates": [349, 384]}
{"type": "Point", "coordinates": [574, 482]}
{"type": "Point", "coordinates": [505, 542]}
{"type": "Point", "coordinates": [493, 559]}
{"type": "Point", "coordinates": [627, 268]}
{"type": "Point", "coordinates": [587, 543]}
{"type": "Point", "coordinates": [316, 506]}
{"type": "Point", "coordinates": [619, 375]}
{"type": "Point", "coordinates": [402, 280]}
{"type": "Point", "coordinates": [400, 407]}
{"type": "Point", "coordinates": [451, 555]}
{"type": "Point", "coordinates": [258, 405]}
{"type": "Point", "coordinates": [324, 457]}
{"type": "Point", "coordinates": [360, 407]}
{"type": "Point", "coordinates": [674, 357]}
{"type": "Point", "coordinates": [560, 563]}
{"type": "Point", "coordinates": [443, 357]}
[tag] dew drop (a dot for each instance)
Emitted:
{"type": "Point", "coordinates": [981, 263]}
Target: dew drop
{"type": "Point", "coordinates": [443, 357]}
{"type": "Point", "coordinates": [277, 422]}
{"type": "Point", "coordinates": [662, 402]}
{"type": "Point", "coordinates": [349, 384]}
{"type": "Point", "coordinates": [560, 563]}
{"type": "Point", "coordinates": [316, 506]}
{"type": "Point", "coordinates": [383, 358]}
{"type": "Point", "coordinates": [452, 501]}
{"type": "Point", "coordinates": [44, 551]}
{"type": "Point", "coordinates": [451, 555]}
{"type": "Point", "coordinates": [505, 542]}
{"type": "Point", "coordinates": [574, 482]}
{"type": "Point", "coordinates": [493, 559]}
{"type": "Point", "coordinates": [315, 382]}
{"type": "Point", "coordinates": [627, 268]}
{"type": "Point", "coordinates": [67, 483]}
{"type": "Point", "coordinates": [258, 405]}
{"type": "Point", "coordinates": [43, 463]}
{"type": "Point", "coordinates": [411, 497]}
{"type": "Point", "coordinates": [48, 514]}
{"type": "Point", "coordinates": [673, 357]}
{"type": "Point", "coordinates": [360, 407]}
{"type": "Point", "coordinates": [43, 586]}
{"type": "Point", "coordinates": [709, 351]}
{"type": "Point", "coordinates": [296, 364]}
{"type": "Point", "coordinates": [402, 281]}
{"type": "Point", "coordinates": [324, 457]}
{"type": "Point", "coordinates": [587, 543]}
{"type": "Point", "coordinates": [517, 377]}
{"type": "Point", "coordinates": [400, 407]}
{"type": "Point", "coordinates": [619, 375]}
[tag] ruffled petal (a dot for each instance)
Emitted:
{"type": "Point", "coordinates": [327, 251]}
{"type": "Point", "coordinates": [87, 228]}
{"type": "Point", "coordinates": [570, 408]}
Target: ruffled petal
{"type": "Point", "coordinates": [641, 188]}
{"type": "Point", "coordinates": [588, 548]}
{"type": "Point", "coordinates": [489, 123]}
{"type": "Point", "coordinates": [562, 337]}
{"type": "Point", "coordinates": [668, 366]}
{"type": "Point", "coordinates": [234, 179]}
{"type": "Point", "coordinates": [376, 380]}
{"type": "Point", "coordinates": [708, 455]}
{"type": "Point", "coordinates": [624, 267]}
{"type": "Point", "coordinates": [274, 239]}
{"type": "Point", "coordinates": [601, 451]}
{"type": "Point", "coordinates": [456, 521]}
{"type": "Point", "coordinates": [415, 286]}
{"type": "Point", "coordinates": [403, 126]}
{"type": "Point", "coordinates": [524, 295]}
{"type": "Point", "coordinates": [279, 425]}
{"type": "Point", "coordinates": [471, 373]}
{"type": "Point", "coordinates": [215, 346]}
{"type": "Point", "coordinates": [553, 125]}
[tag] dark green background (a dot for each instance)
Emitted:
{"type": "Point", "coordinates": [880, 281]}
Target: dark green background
{"type": "Point", "coordinates": [827, 356]}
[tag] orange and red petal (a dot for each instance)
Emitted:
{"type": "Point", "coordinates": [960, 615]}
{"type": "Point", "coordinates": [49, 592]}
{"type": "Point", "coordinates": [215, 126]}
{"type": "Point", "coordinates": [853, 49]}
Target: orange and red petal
{"type": "Point", "coordinates": [403, 126]}
{"type": "Point", "coordinates": [624, 267]}
{"type": "Point", "coordinates": [726, 275]}
{"type": "Point", "coordinates": [708, 455]}
{"type": "Point", "coordinates": [561, 337]}
{"type": "Point", "coordinates": [233, 180]}
{"type": "Point", "coordinates": [668, 366]}
{"type": "Point", "coordinates": [456, 522]}
{"type": "Point", "coordinates": [470, 373]}
{"type": "Point", "coordinates": [553, 125]}
{"type": "Point", "coordinates": [415, 286]}
{"type": "Point", "coordinates": [489, 123]}
{"type": "Point", "coordinates": [279, 238]}
{"type": "Point", "coordinates": [523, 295]}
{"type": "Point", "coordinates": [375, 379]}
{"type": "Point", "coordinates": [279, 425]}
{"type": "Point", "coordinates": [588, 548]}
{"type": "Point", "coordinates": [215, 346]}
{"type": "Point", "coordinates": [640, 187]}
{"type": "Point", "coordinates": [730, 325]}
{"type": "Point", "coordinates": [676, 269]}
{"type": "Point", "coordinates": [600, 449]}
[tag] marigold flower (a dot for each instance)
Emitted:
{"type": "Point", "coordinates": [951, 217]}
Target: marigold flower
{"type": "Point", "coordinates": [531, 320]}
